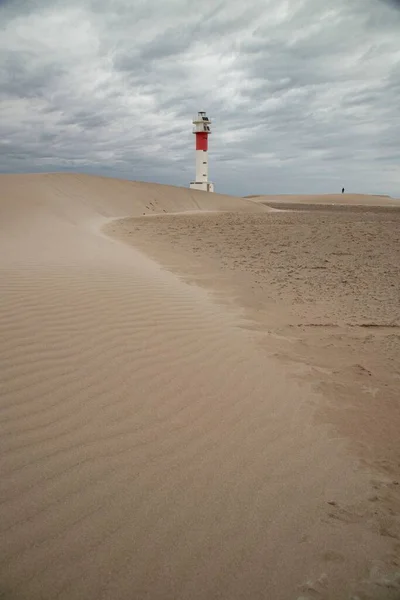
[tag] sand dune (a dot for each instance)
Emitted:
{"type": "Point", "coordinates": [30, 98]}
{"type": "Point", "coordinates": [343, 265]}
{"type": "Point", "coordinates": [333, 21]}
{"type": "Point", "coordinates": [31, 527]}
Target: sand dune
{"type": "Point", "coordinates": [150, 448]}
{"type": "Point", "coordinates": [76, 197]}
{"type": "Point", "coordinates": [321, 288]}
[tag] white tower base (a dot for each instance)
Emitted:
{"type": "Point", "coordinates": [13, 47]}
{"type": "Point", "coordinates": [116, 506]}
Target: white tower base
{"type": "Point", "coordinates": [205, 186]}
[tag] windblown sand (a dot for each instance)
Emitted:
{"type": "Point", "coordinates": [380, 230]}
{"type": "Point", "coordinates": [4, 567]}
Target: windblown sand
{"type": "Point", "coordinates": [188, 432]}
{"type": "Point", "coordinates": [322, 284]}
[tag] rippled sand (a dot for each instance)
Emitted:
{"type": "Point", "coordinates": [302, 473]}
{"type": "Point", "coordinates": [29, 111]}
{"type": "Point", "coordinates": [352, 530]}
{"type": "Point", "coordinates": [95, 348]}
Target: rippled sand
{"type": "Point", "coordinates": [151, 447]}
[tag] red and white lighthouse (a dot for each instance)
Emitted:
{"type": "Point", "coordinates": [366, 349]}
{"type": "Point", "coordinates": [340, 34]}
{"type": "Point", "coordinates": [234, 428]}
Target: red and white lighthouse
{"type": "Point", "coordinates": [202, 129]}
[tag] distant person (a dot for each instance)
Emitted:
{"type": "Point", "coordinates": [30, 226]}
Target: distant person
{"type": "Point", "coordinates": [342, 190]}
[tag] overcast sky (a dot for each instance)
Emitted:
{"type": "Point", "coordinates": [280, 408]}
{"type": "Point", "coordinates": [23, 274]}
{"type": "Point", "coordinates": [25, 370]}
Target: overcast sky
{"type": "Point", "coordinates": [304, 94]}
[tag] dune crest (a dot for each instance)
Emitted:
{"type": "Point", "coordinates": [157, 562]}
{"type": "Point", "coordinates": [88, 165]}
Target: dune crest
{"type": "Point", "coordinates": [75, 197]}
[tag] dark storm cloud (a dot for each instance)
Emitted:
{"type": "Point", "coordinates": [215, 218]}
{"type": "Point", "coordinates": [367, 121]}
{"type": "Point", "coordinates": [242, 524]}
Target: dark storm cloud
{"type": "Point", "coordinates": [303, 95]}
{"type": "Point", "coordinates": [395, 3]}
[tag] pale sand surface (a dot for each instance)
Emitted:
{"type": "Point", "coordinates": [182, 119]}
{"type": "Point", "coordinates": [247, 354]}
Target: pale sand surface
{"type": "Point", "coordinates": [324, 286]}
{"type": "Point", "coordinates": [345, 199]}
{"type": "Point", "coordinates": [155, 441]}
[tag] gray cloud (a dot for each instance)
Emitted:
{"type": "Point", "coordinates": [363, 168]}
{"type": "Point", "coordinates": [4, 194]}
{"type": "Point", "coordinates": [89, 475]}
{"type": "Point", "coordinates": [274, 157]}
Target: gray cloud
{"type": "Point", "coordinates": [395, 3]}
{"type": "Point", "coordinates": [303, 94]}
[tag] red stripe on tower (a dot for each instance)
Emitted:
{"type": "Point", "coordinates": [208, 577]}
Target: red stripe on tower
{"type": "Point", "coordinates": [202, 141]}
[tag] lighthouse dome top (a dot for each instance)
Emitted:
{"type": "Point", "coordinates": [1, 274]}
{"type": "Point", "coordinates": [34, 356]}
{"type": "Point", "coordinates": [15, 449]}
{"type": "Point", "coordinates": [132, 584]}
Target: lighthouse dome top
{"type": "Point", "coordinates": [201, 117]}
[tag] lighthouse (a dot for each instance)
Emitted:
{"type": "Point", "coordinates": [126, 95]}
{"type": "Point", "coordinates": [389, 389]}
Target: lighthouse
{"type": "Point", "coordinates": [202, 129]}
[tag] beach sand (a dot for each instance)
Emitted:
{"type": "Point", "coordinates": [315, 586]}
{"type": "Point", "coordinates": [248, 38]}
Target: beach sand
{"type": "Point", "coordinates": [195, 405]}
{"type": "Point", "coordinates": [316, 200]}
